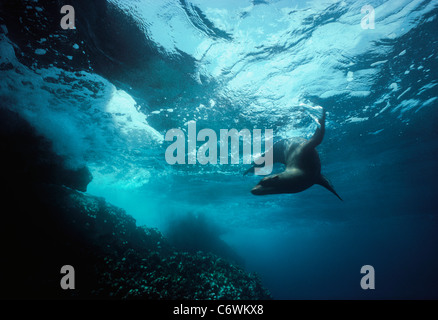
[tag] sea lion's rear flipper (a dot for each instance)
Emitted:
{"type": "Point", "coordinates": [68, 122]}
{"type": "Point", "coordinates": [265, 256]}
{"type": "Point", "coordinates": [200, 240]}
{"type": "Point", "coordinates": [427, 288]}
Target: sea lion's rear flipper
{"type": "Point", "coordinates": [278, 156]}
{"type": "Point", "coordinates": [323, 181]}
{"type": "Point", "coordinates": [317, 137]}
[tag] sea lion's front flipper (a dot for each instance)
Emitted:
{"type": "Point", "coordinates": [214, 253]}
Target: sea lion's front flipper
{"type": "Point", "coordinates": [323, 181]}
{"type": "Point", "coordinates": [278, 153]}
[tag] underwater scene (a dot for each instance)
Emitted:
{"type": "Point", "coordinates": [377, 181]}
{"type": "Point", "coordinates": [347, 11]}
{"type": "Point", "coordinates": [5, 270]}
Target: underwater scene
{"type": "Point", "coordinates": [227, 149]}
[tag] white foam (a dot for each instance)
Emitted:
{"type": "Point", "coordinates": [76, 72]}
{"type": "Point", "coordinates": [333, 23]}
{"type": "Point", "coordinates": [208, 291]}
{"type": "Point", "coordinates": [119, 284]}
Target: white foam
{"type": "Point", "coordinates": [403, 93]}
{"type": "Point", "coordinates": [101, 127]}
{"type": "Point", "coordinates": [394, 86]}
{"type": "Point", "coordinates": [356, 119]}
{"type": "Point", "coordinates": [377, 63]}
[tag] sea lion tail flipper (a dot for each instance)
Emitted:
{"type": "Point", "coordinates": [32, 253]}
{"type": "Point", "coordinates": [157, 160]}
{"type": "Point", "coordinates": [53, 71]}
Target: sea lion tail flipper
{"type": "Point", "coordinates": [317, 137]}
{"type": "Point", "coordinates": [323, 181]}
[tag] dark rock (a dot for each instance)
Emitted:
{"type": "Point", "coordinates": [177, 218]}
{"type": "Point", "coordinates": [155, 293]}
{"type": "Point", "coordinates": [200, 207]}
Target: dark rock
{"type": "Point", "coordinates": [46, 224]}
{"type": "Point", "coordinates": [194, 233]}
{"type": "Point", "coordinates": [29, 158]}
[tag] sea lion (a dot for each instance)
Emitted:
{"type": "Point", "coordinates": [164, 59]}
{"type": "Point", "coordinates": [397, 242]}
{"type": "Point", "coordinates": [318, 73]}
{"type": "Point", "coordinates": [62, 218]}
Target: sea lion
{"type": "Point", "coordinates": [303, 166]}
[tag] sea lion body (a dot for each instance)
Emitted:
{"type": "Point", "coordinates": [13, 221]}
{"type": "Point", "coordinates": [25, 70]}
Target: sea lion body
{"type": "Point", "coordinates": [303, 166]}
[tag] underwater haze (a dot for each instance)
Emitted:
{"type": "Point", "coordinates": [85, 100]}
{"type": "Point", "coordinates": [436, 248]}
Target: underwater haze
{"type": "Point", "coordinates": [106, 93]}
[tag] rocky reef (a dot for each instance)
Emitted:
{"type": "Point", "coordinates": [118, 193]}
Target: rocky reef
{"type": "Point", "coordinates": [193, 232]}
{"type": "Point", "coordinates": [47, 221]}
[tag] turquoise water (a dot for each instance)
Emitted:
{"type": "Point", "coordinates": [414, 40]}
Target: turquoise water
{"type": "Point", "coordinates": [106, 99]}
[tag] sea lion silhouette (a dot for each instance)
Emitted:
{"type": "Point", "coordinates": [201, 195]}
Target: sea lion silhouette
{"type": "Point", "coordinates": [303, 166]}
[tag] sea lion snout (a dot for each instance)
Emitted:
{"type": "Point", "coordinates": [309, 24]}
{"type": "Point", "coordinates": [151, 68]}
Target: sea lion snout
{"type": "Point", "coordinates": [257, 190]}
{"type": "Point", "coordinates": [265, 186]}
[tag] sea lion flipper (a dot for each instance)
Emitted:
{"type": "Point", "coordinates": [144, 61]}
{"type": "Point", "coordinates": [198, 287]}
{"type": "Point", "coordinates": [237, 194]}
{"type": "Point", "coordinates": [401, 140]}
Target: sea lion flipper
{"type": "Point", "coordinates": [278, 153]}
{"type": "Point", "coordinates": [323, 181]}
{"type": "Point", "coordinates": [317, 137]}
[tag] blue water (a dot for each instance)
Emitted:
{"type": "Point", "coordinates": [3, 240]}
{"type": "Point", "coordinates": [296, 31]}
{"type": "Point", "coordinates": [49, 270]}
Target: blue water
{"type": "Point", "coordinates": [260, 64]}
